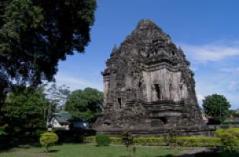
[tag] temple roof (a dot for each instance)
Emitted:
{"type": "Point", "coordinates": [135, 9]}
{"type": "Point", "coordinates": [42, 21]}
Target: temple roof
{"type": "Point", "coordinates": [147, 29]}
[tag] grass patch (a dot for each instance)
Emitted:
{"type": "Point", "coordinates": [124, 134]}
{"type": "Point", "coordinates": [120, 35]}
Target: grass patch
{"type": "Point", "coordinates": [89, 150]}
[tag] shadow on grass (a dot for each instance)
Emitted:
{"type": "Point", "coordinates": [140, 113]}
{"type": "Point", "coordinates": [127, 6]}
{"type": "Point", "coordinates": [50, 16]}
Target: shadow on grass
{"type": "Point", "coordinates": [206, 154]}
{"type": "Point", "coordinates": [217, 154]}
{"type": "Point", "coordinates": [53, 151]}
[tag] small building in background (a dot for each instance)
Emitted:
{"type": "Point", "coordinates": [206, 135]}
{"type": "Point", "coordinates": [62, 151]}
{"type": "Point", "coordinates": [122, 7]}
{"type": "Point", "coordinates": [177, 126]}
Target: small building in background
{"type": "Point", "coordinates": [59, 121]}
{"type": "Point", "coordinates": [64, 121]}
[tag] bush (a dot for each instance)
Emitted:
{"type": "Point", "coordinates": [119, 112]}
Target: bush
{"type": "Point", "coordinates": [197, 141]}
{"type": "Point", "coordinates": [113, 139]}
{"type": "Point", "coordinates": [89, 139]}
{"type": "Point", "coordinates": [184, 141]}
{"type": "Point", "coordinates": [149, 140]}
{"type": "Point", "coordinates": [48, 139]}
{"type": "Point", "coordinates": [229, 139]}
{"type": "Point", "coordinates": [102, 140]}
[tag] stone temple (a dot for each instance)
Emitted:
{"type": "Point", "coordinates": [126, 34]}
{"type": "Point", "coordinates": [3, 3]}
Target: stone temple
{"type": "Point", "coordinates": [148, 86]}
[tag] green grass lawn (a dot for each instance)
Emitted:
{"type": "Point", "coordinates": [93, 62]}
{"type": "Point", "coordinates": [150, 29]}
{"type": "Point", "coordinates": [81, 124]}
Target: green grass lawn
{"type": "Point", "coordinates": [88, 150]}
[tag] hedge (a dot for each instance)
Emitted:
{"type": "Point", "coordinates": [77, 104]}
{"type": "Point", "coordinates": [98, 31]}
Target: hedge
{"type": "Point", "coordinates": [113, 139]}
{"type": "Point", "coordinates": [229, 139]}
{"type": "Point", "coordinates": [149, 140]}
{"type": "Point", "coordinates": [184, 141]}
{"type": "Point", "coordinates": [102, 140]}
{"type": "Point", "coordinates": [198, 141]}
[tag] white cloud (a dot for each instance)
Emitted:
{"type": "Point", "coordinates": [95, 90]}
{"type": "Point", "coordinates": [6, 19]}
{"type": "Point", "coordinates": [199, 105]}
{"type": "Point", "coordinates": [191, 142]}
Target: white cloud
{"type": "Point", "coordinates": [74, 82]}
{"type": "Point", "coordinates": [212, 52]}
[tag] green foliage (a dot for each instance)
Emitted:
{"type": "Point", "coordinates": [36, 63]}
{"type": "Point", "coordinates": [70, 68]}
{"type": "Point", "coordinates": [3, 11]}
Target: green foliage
{"type": "Point", "coordinates": [85, 104]}
{"type": "Point", "coordinates": [48, 139]}
{"type": "Point", "coordinates": [3, 86]}
{"type": "Point", "coordinates": [138, 140]}
{"type": "Point", "coordinates": [113, 139]}
{"type": "Point", "coordinates": [36, 34]}
{"type": "Point", "coordinates": [216, 106]}
{"type": "Point", "coordinates": [102, 140]}
{"type": "Point", "coordinates": [25, 113]}
{"type": "Point", "coordinates": [89, 139]}
{"type": "Point", "coordinates": [184, 141]}
{"type": "Point", "coordinates": [197, 141]}
{"type": "Point", "coordinates": [150, 141]}
{"type": "Point", "coordinates": [229, 139]}
{"type": "Point", "coordinates": [2, 132]}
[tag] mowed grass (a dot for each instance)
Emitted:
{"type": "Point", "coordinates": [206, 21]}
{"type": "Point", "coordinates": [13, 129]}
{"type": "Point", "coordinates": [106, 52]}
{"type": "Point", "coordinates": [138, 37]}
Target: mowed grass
{"type": "Point", "coordinates": [89, 150]}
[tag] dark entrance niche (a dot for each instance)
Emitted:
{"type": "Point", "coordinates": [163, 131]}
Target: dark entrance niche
{"type": "Point", "coordinates": [164, 120]}
{"type": "Point", "coordinates": [119, 102]}
{"type": "Point", "coordinates": [107, 123]}
{"type": "Point", "coordinates": [140, 84]}
{"type": "Point", "coordinates": [158, 91]}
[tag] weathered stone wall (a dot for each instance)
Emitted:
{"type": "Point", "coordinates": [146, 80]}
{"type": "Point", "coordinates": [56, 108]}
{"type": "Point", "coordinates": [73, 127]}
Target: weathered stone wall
{"type": "Point", "coordinates": [164, 85]}
{"type": "Point", "coordinates": [148, 84]}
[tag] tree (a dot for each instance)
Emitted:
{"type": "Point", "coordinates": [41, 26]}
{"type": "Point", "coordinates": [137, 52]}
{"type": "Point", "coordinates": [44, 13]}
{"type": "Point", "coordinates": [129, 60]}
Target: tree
{"type": "Point", "coordinates": [216, 106]}
{"type": "Point", "coordinates": [3, 89]}
{"type": "Point", "coordinates": [57, 96]}
{"type": "Point", "coordinates": [85, 104]}
{"type": "Point", "coordinates": [36, 34]}
{"type": "Point", "coordinates": [25, 112]}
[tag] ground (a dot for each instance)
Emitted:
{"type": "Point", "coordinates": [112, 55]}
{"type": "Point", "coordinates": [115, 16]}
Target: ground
{"type": "Point", "coordinates": [89, 150]}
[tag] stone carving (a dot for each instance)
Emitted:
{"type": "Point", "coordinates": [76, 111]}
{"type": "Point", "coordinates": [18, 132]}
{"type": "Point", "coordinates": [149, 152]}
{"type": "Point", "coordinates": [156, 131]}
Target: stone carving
{"type": "Point", "coordinates": [148, 84]}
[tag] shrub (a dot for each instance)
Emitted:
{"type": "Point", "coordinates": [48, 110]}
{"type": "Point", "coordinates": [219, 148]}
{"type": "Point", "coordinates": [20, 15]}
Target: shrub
{"type": "Point", "coordinates": [185, 141]}
{"type": "Point", "coordinates": [229, 139]}
{"type": "Point", "coordinates": [197, 141]}
{"type": "Point", "coordinates": [115, 140]}
{"type": "Point", "coordinates": [102, 140]}
{"type": "Point", "coordinates": [149, 140]}
{"type": "Point", "coordinates": [48, 139]}
{"type": "Point", "coordinates": [89, 139]}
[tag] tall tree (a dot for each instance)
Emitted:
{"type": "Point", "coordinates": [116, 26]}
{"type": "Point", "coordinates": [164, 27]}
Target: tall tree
{"type": "Point", "coordinates": [36, 34]}
{"type": "Point", "coordinates": [216, 106]}
{"type": "Point", "coordinates": [25, 112]}
{"type": "Point", "coordinates": [3, 88]}
{"type": "Point", "coordinates": [85, 104]}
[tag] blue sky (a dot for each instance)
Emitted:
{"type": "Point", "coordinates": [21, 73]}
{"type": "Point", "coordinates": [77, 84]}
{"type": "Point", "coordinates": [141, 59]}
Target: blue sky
{"type": "Point", "coordinates": [207, 31]}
